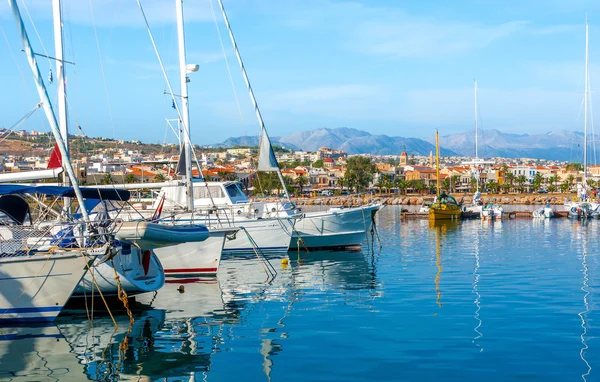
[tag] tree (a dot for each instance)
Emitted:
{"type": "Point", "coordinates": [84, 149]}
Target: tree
{"type": "Point", "coordinates": [473, 184]}
{"type": "Point", "coordinates": [520, 181]}
{"type": "Point", "coordinates": [265, 182]}
{"type": "Point", "coordinates": [446, 184]}
{"type": "Point", "coordinates": [553, 180]}
{"type": "Point", "coordinates": [130, 178]}
{"type": "Point", "coordinates": [107, 179]}
{"type": "Point", "coordinates": [227, 176]}
{"type": "Point", "coordinates": [318, 164]}
{"type": "Point", "coordinates": [359, 172]}
{"type": "Point", "coordinates": [570, 180]}
{"type": "Point", "coordinates": [401, 184]}
{"type": "Point", "coordinates": [538, 179]}
{"type": "Point", "coordinates": [301, 181]}
{"type": "Point", "coordinates": [160, 177]}
{"type": "Point", "coordinates": [564, 186]}
{"type": "Point", "coordinates": [492, 186]}
{"type": "Point", "coordinates": [510, 179]}
{"type": "Point", "coordinates": [574, 167]}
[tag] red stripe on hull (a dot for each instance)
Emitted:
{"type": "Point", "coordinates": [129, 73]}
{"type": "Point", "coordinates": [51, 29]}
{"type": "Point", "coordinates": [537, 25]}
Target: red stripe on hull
{"type": "Point", "coordinates": [211, 280]}
{"type": "Point", "coordinates": [191, 270]}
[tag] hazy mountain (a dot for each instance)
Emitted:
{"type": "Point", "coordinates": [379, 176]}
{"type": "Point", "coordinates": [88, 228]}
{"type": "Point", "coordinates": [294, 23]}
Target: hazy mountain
{"type": "Point", "coordinates": [350, 140]}
{"type": "Point", "coordinates": [557, 145]}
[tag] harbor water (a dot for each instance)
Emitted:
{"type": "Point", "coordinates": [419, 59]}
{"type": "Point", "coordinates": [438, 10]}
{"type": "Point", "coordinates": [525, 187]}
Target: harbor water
{"type": "Point", "coordinates": [508, 300]}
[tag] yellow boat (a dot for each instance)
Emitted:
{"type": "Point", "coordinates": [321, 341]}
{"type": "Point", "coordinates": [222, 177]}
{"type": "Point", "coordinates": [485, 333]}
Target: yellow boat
{"type": "Point", "coordinates": [445, 206]}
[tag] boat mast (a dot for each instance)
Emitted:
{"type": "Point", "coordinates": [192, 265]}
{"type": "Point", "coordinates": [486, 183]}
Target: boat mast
{"type": "Point", "coordinates": [43, 94]}
{"type": "Point", "coordinates": [264, 134]}
{"type": "Point", "coordinates": [437, 162]}
{"type": "Point", "coordinates": [185, 112]}
{"type": "Point", "coordinates": [60, 74]}
{"type": "Point", "coordinates": [476, 141]}
{"type": "Point", "coordinates": [585, 107]}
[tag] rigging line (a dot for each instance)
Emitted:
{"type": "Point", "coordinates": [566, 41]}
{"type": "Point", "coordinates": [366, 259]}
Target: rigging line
{"type": "Point", "coordinates": [20, 122]}
{"type": "Point", "coordinates": [112, 122]}
{"type": "Point", "coordinates": [162, 67]}
{"type": "Point", "coordinates": [37, 33]}
{"type": "Point", "coordinates": [237, 102]}
{"type": "Point", "coordinates": [28, 90]}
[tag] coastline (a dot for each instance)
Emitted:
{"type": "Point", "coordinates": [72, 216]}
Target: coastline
{"type": "Point", "coordinates": [414, 200]}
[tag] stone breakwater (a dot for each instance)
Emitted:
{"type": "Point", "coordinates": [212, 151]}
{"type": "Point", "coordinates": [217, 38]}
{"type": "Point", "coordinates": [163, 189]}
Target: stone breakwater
{"type": "Point", "coordinates": [521, 199]}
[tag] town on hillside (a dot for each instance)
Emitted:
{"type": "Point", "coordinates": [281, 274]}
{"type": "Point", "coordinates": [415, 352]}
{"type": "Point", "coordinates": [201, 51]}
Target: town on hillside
{"type": "Point", "coordinates": [322, 173]}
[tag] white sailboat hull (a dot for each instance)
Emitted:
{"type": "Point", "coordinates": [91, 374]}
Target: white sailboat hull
{"type": "Point", "coordinates": [139, 271]}
{"type": "Point", "coordinates": [337, 227]}
{"type": "Point", "coordinates": [35, 288]}
{"type": "Point", "coordinates": [194, 259]}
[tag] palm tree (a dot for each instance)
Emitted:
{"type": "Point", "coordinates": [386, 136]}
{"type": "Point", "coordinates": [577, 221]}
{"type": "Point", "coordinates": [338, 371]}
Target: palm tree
{"type": "Point", "coordinates": [160, 177]}
{"type": "Point", "coordinates": [538, 179]}
{"type": "Point", "coordinates": [571, 180]}
{"type": "Point", "coordinates": [401, 184]}
{"type": "Point", "coordinates": [130, 178]}
{"type": "Point", "coordinates": [492, 185]}
{"type": "Point", "coordinates": [553, 180]}
{"type": "Point", "coordinates": [510, 179]}
{"type": "Point", "coordinates": [301, 181]}
{"type": "Point", "coordinates": [107, 179]}
{"type": "Point", "coordinates": [564, 187]}
{"type": "Point", "coordinates": [520, 181]}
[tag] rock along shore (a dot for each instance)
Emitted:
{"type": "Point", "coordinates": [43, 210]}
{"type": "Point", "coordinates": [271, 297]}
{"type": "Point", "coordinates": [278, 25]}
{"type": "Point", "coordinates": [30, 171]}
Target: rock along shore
{"type": "Point", "coordinates": [415, 200]}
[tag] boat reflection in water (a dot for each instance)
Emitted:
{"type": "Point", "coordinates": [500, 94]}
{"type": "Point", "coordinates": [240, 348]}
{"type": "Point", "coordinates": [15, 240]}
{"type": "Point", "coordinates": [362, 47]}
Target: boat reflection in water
{"type": "Point", "coordinates": [440, 228]}
{"type": "Point", "coordinates": [191, 328]}
{"type": "Point", "coordinates": [37, 353]}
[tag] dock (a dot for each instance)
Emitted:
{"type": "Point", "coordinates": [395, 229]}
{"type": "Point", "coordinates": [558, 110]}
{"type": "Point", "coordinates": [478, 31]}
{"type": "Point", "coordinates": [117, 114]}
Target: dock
{"type": "Point", "coordinates": [473, 215]}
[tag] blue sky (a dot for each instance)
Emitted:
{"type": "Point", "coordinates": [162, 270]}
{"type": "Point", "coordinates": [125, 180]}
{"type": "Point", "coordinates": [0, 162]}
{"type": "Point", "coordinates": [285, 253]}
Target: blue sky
{"type": "Point", "coordinates": [401, 68]}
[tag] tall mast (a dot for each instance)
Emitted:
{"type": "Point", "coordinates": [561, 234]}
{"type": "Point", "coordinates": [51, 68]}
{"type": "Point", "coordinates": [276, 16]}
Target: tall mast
{"type": "Point", "coordinates": [43, 94]}
{"type": "Point", "coordinates": [264, 134]}
{"type": "Point", "coordinates": [437, 162]}
{"type": "Point", "coordinates": [476, 140]}
{"type": "Point", "coordinates": [475, 96]}
{"type": "Point", "coordinates": [185, 112]}
{"type": "Point", "coordinates": [60, 74]}
{"type": "Point", "coordinates": [585, 106]}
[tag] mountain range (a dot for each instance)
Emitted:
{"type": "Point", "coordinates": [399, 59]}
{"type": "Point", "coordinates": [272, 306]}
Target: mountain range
{"type": "Point", "coordinates": [559, 145]}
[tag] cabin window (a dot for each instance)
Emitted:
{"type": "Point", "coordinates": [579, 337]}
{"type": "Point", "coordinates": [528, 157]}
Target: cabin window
{"type": "Point", "coordinates": [203, 192]}
{"type": "Point", "coordinates": [234, 191]}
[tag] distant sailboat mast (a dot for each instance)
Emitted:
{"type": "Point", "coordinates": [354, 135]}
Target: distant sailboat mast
{"type": "Point", "coordinates": [476, 140]}
{"type": "Point", "coordinates": [185, 112]}
{"type": "Point", "coordinates": [585, 106]}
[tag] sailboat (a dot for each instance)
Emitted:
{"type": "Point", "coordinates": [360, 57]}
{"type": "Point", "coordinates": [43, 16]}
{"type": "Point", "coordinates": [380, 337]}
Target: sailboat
{"type": "Point", "coordinates": [582, 207]}
{"type": "Point", "coordinates": [42, 261]}
{"type": "Point", "coordinates": [445, 206]}
{"type": "Point", "coordinates": [490, 210]}
{"type": "Point", "coordinates": [334, 228]}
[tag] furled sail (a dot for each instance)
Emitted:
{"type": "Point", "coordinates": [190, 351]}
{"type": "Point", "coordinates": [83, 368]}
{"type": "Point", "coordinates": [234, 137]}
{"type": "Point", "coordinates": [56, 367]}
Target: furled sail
{"type": "Point", "coordinates": [266, 156]}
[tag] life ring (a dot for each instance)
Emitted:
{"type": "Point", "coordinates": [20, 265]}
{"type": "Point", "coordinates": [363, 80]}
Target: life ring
{"type": "Point", "coordinates": [574, 198]}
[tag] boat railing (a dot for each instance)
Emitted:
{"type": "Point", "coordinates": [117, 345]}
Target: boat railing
{"type": "Point", "coordinates": [49, 237]}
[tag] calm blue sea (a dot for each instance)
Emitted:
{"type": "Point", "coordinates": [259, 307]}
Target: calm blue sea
{"type": "Point", "coordinates": [502, 301]}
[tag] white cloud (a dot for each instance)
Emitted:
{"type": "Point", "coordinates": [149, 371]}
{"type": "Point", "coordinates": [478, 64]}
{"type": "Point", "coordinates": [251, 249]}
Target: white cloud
{"type": "Point", "coordinates": [409, 37]}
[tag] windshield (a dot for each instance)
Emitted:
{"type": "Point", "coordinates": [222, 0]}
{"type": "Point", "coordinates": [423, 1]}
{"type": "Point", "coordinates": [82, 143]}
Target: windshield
{"type": "Point", "coordinates": [234, 191]}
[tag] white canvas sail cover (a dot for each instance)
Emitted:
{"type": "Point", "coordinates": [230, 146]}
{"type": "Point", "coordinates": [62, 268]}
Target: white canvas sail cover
{"type": "Point", "coordinates": [266, 156]}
